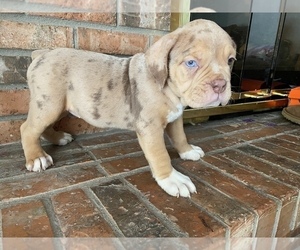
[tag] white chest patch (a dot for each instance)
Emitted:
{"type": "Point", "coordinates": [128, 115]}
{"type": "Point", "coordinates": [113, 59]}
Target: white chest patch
{"type": "Point", "coordinates": [172, 116]}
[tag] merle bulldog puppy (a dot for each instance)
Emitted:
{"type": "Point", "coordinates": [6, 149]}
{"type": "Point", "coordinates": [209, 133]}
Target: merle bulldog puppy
{"type": "Point", "coordinates": [146, 93]}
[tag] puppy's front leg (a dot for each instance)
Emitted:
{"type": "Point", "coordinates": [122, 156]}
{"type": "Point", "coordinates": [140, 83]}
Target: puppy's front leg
{"type": "Point", "coordinates": [170, 180]}
{"type": "Point", "coordinates": [177, 136]}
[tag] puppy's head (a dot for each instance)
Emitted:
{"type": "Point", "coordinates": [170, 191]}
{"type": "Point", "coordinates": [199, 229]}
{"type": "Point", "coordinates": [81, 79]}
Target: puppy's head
{"type": "Point", "coordinates": [195, 61]}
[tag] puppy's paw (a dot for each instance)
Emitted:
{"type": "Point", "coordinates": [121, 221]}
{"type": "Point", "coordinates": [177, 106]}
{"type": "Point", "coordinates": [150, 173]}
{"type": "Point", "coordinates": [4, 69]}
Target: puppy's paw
{"type": "Point", "coordinates": [194, 154]}
{"type": "Point", "coordinates": [177, 184]}
{"type": "Point", "coordinates": [39, 164]}
{"type": "Point", "coordinates": [67, 138]}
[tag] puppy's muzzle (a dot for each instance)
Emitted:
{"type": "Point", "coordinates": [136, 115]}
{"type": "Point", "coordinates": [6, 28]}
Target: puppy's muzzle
{"type": "Point", "coordinates": [219, 86]}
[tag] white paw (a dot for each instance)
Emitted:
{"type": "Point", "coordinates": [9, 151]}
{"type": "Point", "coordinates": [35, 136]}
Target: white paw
{"type": "Point", "coordinates": [194, 155]}
{"type": "Point", "coordinates": [177, 184]}
{"type": "Point", "coordinates": [40, 164]}
{"type": "Point", "coordinates": [65, 140]}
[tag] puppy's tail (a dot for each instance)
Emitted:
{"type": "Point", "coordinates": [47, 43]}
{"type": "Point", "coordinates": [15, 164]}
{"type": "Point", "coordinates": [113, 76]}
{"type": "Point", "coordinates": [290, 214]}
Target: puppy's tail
{"type": "Point", "coordinates": [39, 52]}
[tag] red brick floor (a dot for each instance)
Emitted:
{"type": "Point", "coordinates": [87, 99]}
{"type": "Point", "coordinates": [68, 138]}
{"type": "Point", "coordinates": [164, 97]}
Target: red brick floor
{"type": "Point", "coordinates": [247, 185]}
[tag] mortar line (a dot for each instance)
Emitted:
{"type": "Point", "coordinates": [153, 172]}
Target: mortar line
{"type": "Point", "coordinates": [103, 212]}
{"type": "Point", "coordinates": [174, 228]}
{"type": "Point", "coordinates": [258, 172]}
{"type": "Point", "coordinates": [296, 213]}
{"type": "Point", "coordinates": [1, 229]}
{"type": "Point", "coordinates": [229, 196]}
{"type": "Point", "coordinates": [272, 163]}
{"type": "Point", "coordinates": [54, 222]}
{"type": "Point", "coordinates": [279, 202]}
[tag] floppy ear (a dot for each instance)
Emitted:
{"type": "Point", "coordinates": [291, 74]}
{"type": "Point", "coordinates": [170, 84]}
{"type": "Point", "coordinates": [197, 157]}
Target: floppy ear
{"type": "Point", "coordinates": [157, 58]}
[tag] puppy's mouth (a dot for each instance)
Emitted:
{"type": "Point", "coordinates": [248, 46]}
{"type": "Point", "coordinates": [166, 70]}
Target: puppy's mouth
{"type": "Point", "coordinates": [213, 94]}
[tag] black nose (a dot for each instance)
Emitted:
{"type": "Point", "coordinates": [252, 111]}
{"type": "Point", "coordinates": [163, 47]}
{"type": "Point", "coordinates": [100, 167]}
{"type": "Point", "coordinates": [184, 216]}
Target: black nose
{"type": "Point", "coordinates": [219, 85]}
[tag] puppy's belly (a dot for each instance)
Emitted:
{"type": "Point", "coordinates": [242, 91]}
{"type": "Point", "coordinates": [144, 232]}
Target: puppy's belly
{"type": "Point", "coordinates": [104, 117]}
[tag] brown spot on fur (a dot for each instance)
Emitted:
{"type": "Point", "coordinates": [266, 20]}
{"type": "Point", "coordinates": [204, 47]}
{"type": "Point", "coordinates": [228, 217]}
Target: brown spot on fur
{"type": "Point", "coordinates": [204, 30]}
{"type": "Point", "coordinates": [97, 96]}
{"type": "Point", "coordinates": [92, 60]}
{"type": "Point", "coordinates": [129, 125]}
{"type": "Point", "coordinates": [65, 71]}
{"type": "Point", "coordinates": [110, 85]}
{"type": "Point", "coordinates": [192, 38]}
{"type": "Point", "coordinates": [39, 62]}
{"type": "Point", "coordinates": [126, 83]}
{"type": "Point", "coordinates": [46, 97]}
{"type": "Point", "coordinates": [96, 113]}
{"type": "Point", "coordinates": [97, 101]}
{"type": "Point", "coordinates": [135, 105]}
{"type": "Point", "coordinates": [160, 75]}
{"type": "Point", "coordinates": [71, 87]}
{"type": "Point", "coordinates": [40, 105]}
{"type": "Point", "coordinates": [131, 92]}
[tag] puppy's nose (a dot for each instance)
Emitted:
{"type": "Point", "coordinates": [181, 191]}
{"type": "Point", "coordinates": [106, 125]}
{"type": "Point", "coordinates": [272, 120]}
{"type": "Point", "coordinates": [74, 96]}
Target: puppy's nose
{"type": "Point", "coordinates": [219, 86]}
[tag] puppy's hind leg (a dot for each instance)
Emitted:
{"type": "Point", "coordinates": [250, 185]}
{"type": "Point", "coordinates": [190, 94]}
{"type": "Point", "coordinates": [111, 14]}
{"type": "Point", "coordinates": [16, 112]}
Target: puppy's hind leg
{"type": "Point", "coordinates": [57, 137]}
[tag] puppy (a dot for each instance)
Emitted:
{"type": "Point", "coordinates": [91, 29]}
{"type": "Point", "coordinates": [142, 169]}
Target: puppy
{"type": "Point", "coordinates": [146, 93]}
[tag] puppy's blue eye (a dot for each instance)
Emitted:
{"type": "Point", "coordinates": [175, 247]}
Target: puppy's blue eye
{"type": "Point", "coordinates": [191, 64]}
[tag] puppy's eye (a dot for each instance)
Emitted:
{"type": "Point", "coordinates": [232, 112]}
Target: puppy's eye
{"type": "Point", "coordinates": [231, 60]}
{"type": "Point", "coordinates": [191, 64]}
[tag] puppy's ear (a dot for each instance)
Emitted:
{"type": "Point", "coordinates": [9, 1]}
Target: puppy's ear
{"type": "Point", "coordinates": [157, 57]}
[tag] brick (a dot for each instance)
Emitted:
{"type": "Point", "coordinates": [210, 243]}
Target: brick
{"type": "Point", "coordinates": [259, 133]}
{"type": "Point", "coordinates": [291, 139]}
{"type": "Point", "coordinates": [117, 150]}
{"type": "Point", "coordinates": [263, 206]}
{"type": "Point", "coordinates": [286, 194]}
{"type": "Point", "coordinates": [108, 18]}
{"type": "Point", "coordinates": [149, 20]}
{"type": "Point", "coordinates": [111, 42]}
{"type": "Point", "coordinates": [253, 163]}
{"type": "Point", "coordinates": [10, 131]}
{"type": "Point", "coordinates": [180, 210]}
{"type": "Point", "coordinates": [26, 220]}
{"type": "Point", "coordinates": [219, 143]}
{"type": "Point", "coordinates": [37, 183]}
{"type": "Point", "coordinates": [96, 5]}
{"type": "Point", "coordinates": [12, 160]}
{"type": "Point", "coordinates": [131, 215]}
{"type": "Point", "coordinates": [237, 126]}
{"type": "Point", "coordinates": [198, 133]}
{"type": "Point", "coordinates": [98, 11]}
{"type": "Point", "coordinates": [78, 217]}
{"type": "Point", "coordinates": [17, 35]}
{"type": "Point", "coordinates": [13, 69]}
{"type": "Point", "coordinates": [280, 148]}
{"type": "Point", "coordinates": [286, 216]}
{"type": "Point", "coordinates": [231, 212]}
{"type": "Point", "coordinates": [137, 13]}
{"type": "Point", "coordinates": [271, 157]}
{"type": "Point", "coordinates": [14, 102]}
{"type": "Point", "coordinates": [125, 164]}
{"type": "Point", "coordinates": [30, 243]}
{"type": "Point", "coordinates": [9, 152]}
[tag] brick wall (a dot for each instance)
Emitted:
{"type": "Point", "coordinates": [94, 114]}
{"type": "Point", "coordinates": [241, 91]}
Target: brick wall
{"type": "Point", "coordinates": [117, 27]}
